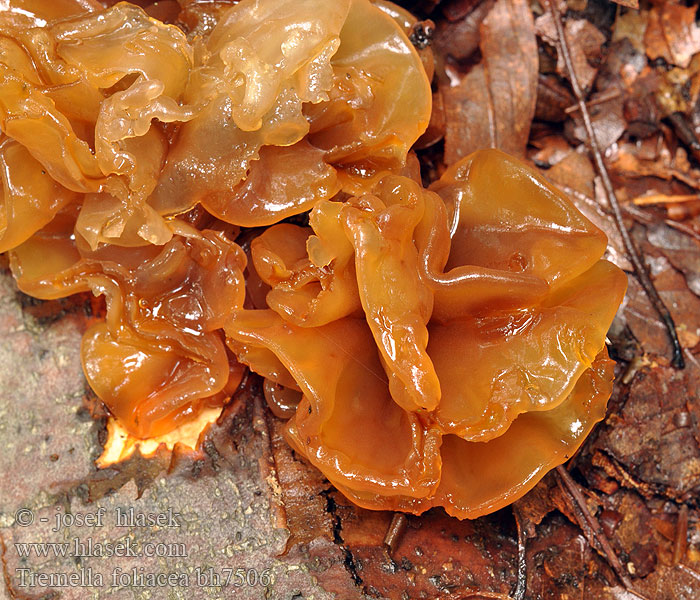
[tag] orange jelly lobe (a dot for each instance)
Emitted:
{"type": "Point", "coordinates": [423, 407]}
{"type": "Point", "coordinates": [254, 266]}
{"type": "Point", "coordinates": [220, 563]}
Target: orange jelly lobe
{"type": "Point", "coordinates": [478, 360]}
{"type": "Point", "coordinates": [241, 190]}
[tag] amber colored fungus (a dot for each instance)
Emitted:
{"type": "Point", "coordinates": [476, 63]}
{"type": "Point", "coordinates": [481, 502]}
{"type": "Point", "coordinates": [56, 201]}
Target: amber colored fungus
{"type": "Point", "coordinates": [441, 346]}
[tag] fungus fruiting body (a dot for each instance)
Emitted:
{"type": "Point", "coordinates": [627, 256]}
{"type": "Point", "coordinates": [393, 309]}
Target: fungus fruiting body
{"type": "Point", "coordinates": [429, 347]}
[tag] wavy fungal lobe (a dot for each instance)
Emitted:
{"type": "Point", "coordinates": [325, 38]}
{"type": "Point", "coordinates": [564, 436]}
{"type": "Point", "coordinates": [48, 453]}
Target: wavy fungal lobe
{"type": "Point", "coordinates": [440, 346]}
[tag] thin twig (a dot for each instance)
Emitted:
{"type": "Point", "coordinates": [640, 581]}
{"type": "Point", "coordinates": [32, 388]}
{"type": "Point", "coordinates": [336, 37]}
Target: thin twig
{"type": "Point", "coordinates": [521, 585]}
{"type": "Point", "coordinates": [591, 527]}
{"type": "Point", "coordinates": [664, 199]}
{"type": "Point", "coordinates": [397, 528]}
{"type": "Point", "coordinates": [634, 212]}
{"type": "Point", "coordinates": [488, 595]}
{"type": "Point", "coordinates": [683, 229]}
{"type": "Point", "coordinates": [684, 131]}
{"type": "Point", "coordinates": [692, 572]}
{"type": "Point", "coordinates": [631, 248]}
{"type": "Point", "coordinates": [681, 542]}
{"type": "Point", "coordinates": [644, 217]}
{"type": "Point", "coordinates": [604, 97]}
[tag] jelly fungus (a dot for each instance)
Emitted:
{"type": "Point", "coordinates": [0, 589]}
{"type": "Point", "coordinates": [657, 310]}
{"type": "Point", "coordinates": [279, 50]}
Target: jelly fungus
{"type": "Point", "coordinates": [429, 347]}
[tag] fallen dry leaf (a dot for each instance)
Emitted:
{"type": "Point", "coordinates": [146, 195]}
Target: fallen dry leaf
{"type": "Point", "coordinates": [459, 39]}
{"type": "Point", "coordinates": [628, 3]}
{"type": "Point", "coordinates": [631, 25]}
{"type": "Point", "coordinates": [607, 119]}
{"type": "Point", "coordinates": [494, 103]}
{"type": "Point", "coordinates": [553, 99]}
{"type": "Point", "coordinates": [585, 42]}
{"type": "Point", "coordinates": [626, 160]}
{"type": "Point", "coordinates": [672, 33]}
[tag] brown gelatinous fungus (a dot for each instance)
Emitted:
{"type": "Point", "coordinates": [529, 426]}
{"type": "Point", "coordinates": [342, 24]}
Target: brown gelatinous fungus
{"type": "Point", "coordinates": [430, 347]}
{"type": "Point", "coordinates": [476, 326]}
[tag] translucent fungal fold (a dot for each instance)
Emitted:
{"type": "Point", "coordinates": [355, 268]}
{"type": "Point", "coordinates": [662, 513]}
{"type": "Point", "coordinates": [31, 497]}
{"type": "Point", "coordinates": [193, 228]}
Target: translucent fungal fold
{"type": "Point", "coordinates": [238, 185]}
